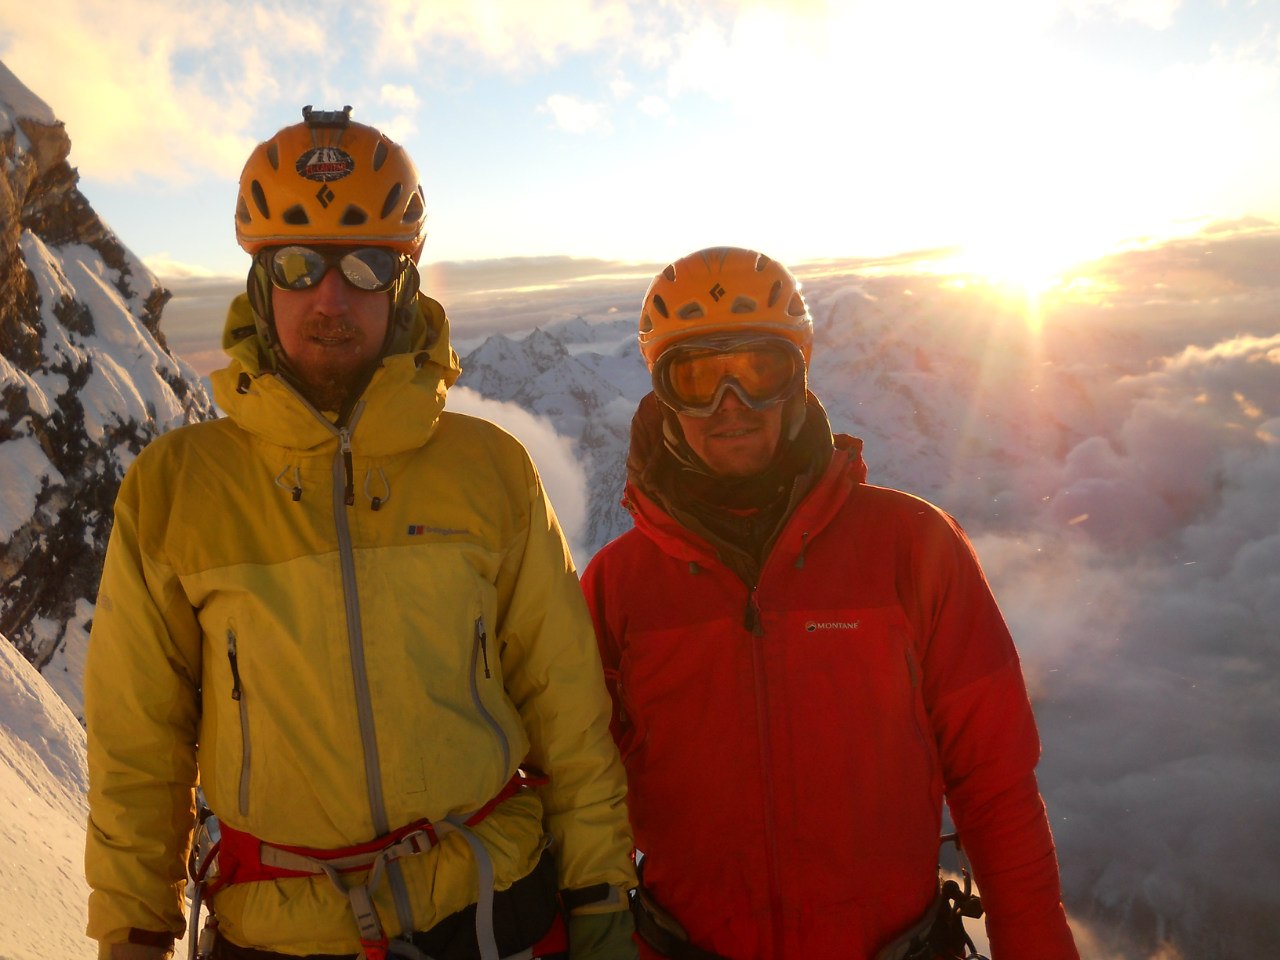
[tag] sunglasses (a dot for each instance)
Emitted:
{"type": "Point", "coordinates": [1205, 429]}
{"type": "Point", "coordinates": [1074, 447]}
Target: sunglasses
{"type": "Point", "coordinates": [365, 268]}
{"type": "Point", "coordinates": [692, 377]}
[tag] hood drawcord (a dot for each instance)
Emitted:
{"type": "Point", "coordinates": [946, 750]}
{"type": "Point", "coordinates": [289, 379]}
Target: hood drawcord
{"type": "Point", "coordinates": [377, 502]}
{"type": "Point", "coordinates": [295, 491]}
{"type": "Point", "coordinates": [344, 448]}
{"type": "Point", "coordinates": [804, 545]}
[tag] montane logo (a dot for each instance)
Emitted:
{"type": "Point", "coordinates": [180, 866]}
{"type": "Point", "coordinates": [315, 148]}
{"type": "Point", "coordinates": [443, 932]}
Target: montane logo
{"type": "Point", "coordinates": [813, 626]}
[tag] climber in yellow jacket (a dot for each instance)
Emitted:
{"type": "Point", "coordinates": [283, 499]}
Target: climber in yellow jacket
{"type": "Point", "coordinates": [351, 618]}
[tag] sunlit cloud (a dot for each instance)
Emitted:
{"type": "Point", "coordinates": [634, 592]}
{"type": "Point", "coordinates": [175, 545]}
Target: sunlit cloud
{"type": "Point", "coordinates": [621, 87]}
{"type": "Point", "coordinates": [653, 106]}
{"type": "Point", "coordinates": [402, 97]}
{"type": "Point", "coordinates": [553, 455]}
{"type": "Point", "coordinates": [512, 35]}
{"type": "Point", "coordinates": [162, 265]}
{"type": "Point", "coordinates": [172, 101]}
{"type": "Point", "coordinates": [573, 115]}
{"type": "Point", "coordinates": [1155, 14]}
{"type": "Point", "coordinates": [403, 101]}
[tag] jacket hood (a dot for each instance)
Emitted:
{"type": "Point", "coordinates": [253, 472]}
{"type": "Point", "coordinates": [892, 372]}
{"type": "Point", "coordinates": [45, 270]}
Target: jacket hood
{"type": "Point", "coordinates": [656, 498]}
{"type": "Point", "coordinates": [249, 392]}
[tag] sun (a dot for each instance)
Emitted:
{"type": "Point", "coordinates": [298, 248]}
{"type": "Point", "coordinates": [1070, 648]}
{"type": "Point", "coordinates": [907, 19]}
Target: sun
{"type": "Point", "coordinates": [1036, 269]}
{"type": "Point", "coordinates": [1033, 265]}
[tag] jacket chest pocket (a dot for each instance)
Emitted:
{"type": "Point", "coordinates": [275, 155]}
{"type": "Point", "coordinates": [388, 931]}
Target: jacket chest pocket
{"type": "Point", "coordinates": [854, 675]}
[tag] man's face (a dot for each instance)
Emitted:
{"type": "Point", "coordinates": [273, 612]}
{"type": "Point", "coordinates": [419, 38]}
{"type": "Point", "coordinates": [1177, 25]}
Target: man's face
{"type": "Point", "coordinates": [331, 333]}
{"type": "Point", "coordinates": [735, 441]}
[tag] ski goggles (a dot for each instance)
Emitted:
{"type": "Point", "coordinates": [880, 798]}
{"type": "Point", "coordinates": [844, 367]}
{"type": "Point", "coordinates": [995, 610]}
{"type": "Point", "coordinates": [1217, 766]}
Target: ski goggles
{"type": "Point", "coordinates": [296, 267]}
{"type": "Point", "coordinates": [692, 377]}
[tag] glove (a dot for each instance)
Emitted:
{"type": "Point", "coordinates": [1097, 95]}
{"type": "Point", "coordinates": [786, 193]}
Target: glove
{"type": "Point", "coordinates": [601, 936]}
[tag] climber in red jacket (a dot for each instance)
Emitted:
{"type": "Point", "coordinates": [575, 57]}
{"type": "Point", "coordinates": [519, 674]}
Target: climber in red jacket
{"type": "Point", "coordinates": [802, 665]}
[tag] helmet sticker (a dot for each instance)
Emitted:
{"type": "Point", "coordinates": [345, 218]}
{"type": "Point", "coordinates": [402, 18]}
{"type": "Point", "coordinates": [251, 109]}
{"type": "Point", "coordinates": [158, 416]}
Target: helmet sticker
{"type": "Point", "coordinates": [325, 164]}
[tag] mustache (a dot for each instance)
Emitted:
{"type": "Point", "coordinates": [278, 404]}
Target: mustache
{"type": "Point", "coordinates": [322, 326]}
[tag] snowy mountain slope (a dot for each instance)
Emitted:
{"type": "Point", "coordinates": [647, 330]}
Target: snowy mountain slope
{"type": "Point", "coordinates": [86, 379]}
{"type": "Point", "coordinates": [43, 894]}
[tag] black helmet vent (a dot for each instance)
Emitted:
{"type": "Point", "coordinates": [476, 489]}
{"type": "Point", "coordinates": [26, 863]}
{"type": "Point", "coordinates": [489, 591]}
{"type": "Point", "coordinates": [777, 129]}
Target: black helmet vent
{"type": "Point", "coordinates": [296, 216]}
{"type": "Point", "coordinates": [774, 292]}
{"type": "Point", "coordinates": [743, 305]}
{"type": "Point", "coordinates": [691, 311]}
{"type": "Point", "coordinates": [353, 216]}
{"type": "Point", "coordinates": [242, 211]}
{"type": "Point", "coordinates": [260, 199]}
{"type": "Point", "coordinates": [273, 155]}
{"type": "Point", "coordinates": [661, 306]}
{"type": "Point", "coordinates": [796, 307]}
{"type": "Point", "coordinates": [413, 209]}
{"type": "Point", "coordinates": [392, 196]}
{"type": "Point", "coordinates": [670, 272]}
{"type": "Point", "coordinates": [380, 155]}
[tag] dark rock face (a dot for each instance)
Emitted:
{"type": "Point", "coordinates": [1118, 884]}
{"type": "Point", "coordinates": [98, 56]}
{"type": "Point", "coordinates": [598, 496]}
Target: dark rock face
{"type": "Point", "coordinates": [86, 379]}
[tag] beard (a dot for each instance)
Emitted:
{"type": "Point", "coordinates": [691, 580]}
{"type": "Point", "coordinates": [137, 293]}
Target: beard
{"type": "Point", "coordinates": [330, 362]}
{"type": "Point", "coordinates": [327, 387]}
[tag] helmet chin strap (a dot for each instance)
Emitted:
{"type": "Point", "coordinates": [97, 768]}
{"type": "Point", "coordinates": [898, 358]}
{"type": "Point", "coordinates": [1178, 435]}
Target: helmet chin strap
{"type": "Point", "coordinates": [793, 412]}
{"type": "Point", "coordinates": [403, 311]}
{"type": "Point", "coordinates": [258, 287]}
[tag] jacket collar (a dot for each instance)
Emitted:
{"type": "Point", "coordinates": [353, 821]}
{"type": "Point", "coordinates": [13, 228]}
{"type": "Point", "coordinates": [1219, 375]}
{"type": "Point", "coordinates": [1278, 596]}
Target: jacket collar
{"type": "Point", "coordinates": [397, 411]}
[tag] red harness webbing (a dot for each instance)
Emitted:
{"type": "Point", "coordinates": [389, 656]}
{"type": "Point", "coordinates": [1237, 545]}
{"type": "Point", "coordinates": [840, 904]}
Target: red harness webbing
{"type": "Point", "coordinates": [238, 855]}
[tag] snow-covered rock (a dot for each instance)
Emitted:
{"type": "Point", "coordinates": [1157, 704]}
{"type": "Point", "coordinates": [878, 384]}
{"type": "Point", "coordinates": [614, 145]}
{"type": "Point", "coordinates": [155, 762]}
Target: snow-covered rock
{"type": "Point", "coordinates": [86, 379]}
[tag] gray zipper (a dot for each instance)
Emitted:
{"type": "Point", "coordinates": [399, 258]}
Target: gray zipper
{"type": "Point", "coordinates": [237, 694]}
{"type": "Point", "coordinates": [359, 670]}
{"type": "Point", "coordinates": [480, 649]}
{"type": "Point", "coordinates": [355, 636]}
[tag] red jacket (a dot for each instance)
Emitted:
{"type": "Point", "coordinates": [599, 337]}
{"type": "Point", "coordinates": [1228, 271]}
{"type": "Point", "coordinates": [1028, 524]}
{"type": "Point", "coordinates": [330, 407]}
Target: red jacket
{"type": "Point", "coordinates": [788, 747]}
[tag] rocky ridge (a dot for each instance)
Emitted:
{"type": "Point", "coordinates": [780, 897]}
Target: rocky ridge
{"type": "Point", "coordinates": [86, 379]}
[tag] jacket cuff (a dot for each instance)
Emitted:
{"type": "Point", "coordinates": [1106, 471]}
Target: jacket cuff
{"type": "Point", "coordinates": [597, 898]}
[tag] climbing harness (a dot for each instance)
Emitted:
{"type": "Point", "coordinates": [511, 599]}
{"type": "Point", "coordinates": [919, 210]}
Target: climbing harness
{"type": "Point", "coordinates": [940, 934]}
{"type": "Point", "coordinates": [239, 857]}
{"type": "Point", "coordinates": [658, 928]}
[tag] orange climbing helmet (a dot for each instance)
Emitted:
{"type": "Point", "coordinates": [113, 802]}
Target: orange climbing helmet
{"type": "Point", "coordinates": [330, 180]}
{"type": "Point", "coordinates": [723, 290]}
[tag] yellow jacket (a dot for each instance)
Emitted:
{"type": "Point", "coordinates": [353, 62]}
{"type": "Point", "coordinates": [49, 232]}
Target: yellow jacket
{"type": "Point", "coordinates": [336, 670]}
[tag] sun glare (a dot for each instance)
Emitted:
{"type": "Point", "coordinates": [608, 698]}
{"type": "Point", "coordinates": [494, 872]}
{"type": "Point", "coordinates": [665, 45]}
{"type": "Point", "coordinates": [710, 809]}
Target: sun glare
{"type": "Point", "coordinates": [1029, 265]}
{"type": "Point", "coordinates": [1036, 269]}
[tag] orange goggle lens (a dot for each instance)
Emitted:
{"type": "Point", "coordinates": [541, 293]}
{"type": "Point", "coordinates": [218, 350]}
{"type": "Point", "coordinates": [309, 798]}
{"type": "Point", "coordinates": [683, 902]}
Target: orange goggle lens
{"type": "Point", "coordinates": [693, 379]}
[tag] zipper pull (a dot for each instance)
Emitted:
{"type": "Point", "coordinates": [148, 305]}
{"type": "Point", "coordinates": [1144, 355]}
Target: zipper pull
{"type": "Point", "coordinates": [235, 666]}
{"type": "Point", "coordinates": [344, 443]}
{"type": "Point", "coordinates": [483, 640]}
{"type": "Point", "coordinates": [751, 616]}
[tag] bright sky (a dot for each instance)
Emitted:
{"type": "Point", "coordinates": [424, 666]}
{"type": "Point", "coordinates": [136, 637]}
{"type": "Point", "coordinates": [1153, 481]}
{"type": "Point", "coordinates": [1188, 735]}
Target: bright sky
{"type": "Point", "coordinates": [634, 130]}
